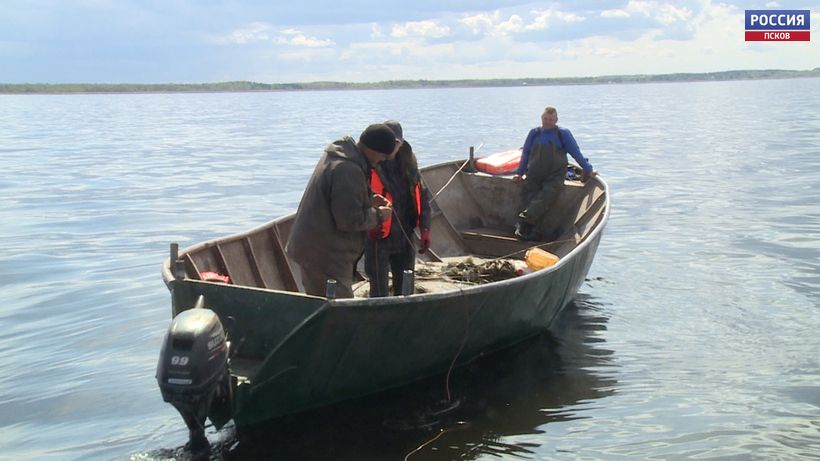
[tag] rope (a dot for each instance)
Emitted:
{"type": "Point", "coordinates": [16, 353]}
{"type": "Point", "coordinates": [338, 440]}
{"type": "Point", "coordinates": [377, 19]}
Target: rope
{"type": "Point", "coordinates": [442, 431]}
{"type": "Point", "coordinates": [457, 172]}
{"type": "Point", "coordinates": [449, 180]}
{"type": "Point", "coordinates": [534, 246]}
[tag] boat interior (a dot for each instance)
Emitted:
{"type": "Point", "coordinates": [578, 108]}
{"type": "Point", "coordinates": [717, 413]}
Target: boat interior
{"type": "Point", "coordinates": [473, 215]}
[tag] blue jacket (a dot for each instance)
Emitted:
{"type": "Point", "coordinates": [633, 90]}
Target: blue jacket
{"type": "Point", "coordinates": [540, 136]}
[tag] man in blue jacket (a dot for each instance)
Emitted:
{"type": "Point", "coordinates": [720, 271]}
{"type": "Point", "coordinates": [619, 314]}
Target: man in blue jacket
{"type": "Point", "coordinates": [544, 160]}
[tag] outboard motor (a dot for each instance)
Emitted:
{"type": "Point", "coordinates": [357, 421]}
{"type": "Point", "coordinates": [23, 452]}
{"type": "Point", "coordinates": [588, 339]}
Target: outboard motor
{"type": "Point", "coordinates": [193, 372]}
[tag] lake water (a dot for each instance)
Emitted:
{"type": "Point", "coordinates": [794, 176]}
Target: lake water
{"type": "Point", "coordinates": [696, 335]}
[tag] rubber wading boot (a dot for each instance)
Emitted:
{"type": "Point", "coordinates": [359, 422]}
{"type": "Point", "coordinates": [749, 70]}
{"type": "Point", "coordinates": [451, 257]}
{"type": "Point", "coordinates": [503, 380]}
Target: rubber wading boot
{"type": "Point", "coordinates": [525, 231]}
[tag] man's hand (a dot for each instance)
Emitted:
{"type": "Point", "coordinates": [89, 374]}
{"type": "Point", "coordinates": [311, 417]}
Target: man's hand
{"type": "Point", "coordinates": [384, 212]}
{"type": "Point", "coordinates": [379, 200]}
{"type": "Point", "coordinates": [424, 241]}
{"type": "Point", "coordinates": [587, 175]}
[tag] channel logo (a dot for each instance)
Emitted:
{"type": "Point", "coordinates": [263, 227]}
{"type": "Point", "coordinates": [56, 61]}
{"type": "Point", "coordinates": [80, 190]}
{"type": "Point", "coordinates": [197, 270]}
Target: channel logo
{"type": "Point", "coordinates": [778, 25]}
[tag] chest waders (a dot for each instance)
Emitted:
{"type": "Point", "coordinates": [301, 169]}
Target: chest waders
{"type": "Point", "coordinates": [545, 178]}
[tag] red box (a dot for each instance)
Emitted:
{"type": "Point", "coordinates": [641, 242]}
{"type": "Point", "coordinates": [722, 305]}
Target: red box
{"type": "Point", "coordinates": [500, 163]}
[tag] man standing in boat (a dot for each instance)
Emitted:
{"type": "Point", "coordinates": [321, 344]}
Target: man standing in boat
{"type": "Point", "coordinates": [390, 248]}
{"type": "Point", "coordinates": [338, 208]}
{"type": "Point", "coordinates": [544, 160]}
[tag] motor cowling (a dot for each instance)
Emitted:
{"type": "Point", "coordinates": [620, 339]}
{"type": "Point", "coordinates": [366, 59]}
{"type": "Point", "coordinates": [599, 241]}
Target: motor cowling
{"type": "Point", "coordinates": [193, 372]}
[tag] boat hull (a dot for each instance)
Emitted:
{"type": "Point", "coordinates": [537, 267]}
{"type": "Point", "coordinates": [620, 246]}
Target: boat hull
{"type": "Point", "coordinates": [330, 351]}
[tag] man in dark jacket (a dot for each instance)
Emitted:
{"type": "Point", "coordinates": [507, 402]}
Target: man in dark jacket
{"type": "Point", "coordinates": [337, 209]}
{"type": "Point", "coordinates": [390, 247]}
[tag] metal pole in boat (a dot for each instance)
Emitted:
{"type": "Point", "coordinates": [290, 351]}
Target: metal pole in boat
{"type": "Point", "coordinates": [177, 269]}
{"type": "Point", "coordinates": [472, 158]}
{"type": "Point", "coordinates": [177, 265]}
{"type": "Point", "coordinates": [408, 282]}
{"type": "Point", "coordinates": [330, 290]}
{"type": "Point", "coordinates": [174, 257]}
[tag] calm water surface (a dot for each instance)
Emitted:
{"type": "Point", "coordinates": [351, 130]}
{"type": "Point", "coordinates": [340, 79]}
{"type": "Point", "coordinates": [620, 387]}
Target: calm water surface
{"type": "Point", "coordinates": [695, 337]}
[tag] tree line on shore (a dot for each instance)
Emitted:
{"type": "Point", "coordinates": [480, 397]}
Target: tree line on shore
{"type": "Point", "coordinates": [243, 86]}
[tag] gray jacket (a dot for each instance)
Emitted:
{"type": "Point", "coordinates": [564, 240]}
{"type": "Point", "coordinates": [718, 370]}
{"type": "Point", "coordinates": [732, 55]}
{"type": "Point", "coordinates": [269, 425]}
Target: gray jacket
{"type": "Point", "coordinates": [335, 212]}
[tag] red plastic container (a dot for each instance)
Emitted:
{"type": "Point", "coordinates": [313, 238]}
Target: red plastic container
{"type": "Point", "coordinates": [499, 163]}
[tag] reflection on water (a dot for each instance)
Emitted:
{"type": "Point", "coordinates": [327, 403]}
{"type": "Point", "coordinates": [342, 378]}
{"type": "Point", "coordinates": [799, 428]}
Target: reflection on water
{"type": "Point", "coordinates": [499, 397]}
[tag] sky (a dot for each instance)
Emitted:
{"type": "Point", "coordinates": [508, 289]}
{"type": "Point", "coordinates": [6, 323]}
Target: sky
{"type": "Point", "coordinates": [274, 41]}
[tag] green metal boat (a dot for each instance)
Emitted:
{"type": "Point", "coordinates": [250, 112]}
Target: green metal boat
{"type": "Point", "coordinates": [247, 344]}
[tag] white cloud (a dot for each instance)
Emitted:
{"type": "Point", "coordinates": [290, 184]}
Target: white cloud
{"type": "Point", "coordinates": [614, 14]}
{"type": "Point", "coordinates": [668, 14]}
{"type": "Point", "coordinates": [665, 13]}
{"type": "Point", "coordinates": [424, 29]}
{"type": "Point", "coordinates": [512, 25]}
{"type": "Point", "coordinates": [494, 25]}
{"type": "Point", "coordinates": [262, 32]}
{"type": "Point", "coordinates": [543, 18]}
{"type": "Point", "coordinates": [375, 31]}
{"type": "Point", "coordinates": [641, 6]}
{"type": "Point", "coordinates": [482, 22]}
{"type": "Point", "coordinates": [295, 37]}
{"type": "Point", "coordinates": [254, 32]}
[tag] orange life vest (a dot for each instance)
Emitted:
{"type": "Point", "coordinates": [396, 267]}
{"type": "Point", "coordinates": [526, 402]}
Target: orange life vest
{"type": "Point", "coordinates": [378, 188]}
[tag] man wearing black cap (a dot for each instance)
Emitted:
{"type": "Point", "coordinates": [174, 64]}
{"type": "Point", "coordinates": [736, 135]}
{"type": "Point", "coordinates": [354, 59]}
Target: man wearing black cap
{"type": "Point", "coordinates": [389, 248]}
{"type": "Point", "coordinates": [337, 209]}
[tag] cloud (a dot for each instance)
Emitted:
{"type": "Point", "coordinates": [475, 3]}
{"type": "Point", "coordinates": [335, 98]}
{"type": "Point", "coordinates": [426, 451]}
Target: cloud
{"type": "Point", "coordinates": [423, 29]}
{"type": "Point", "coordinates": [543, 18]}
{"type": "Point", "coordinates": [665, 13]}
{"type": "Point", "coordinates": [512, 25]}
{"type": "Point", "coordinates": [254, 32]}
{"type": "Point", "coordinates": [614, 14]}
{"type": "Point", "coordinates": [479, 23]}
{"type": "Point", "coordinates": [294, 37]}
{"type": "Point", "coordinates": [492, 24]}
{"type": "Point", "coordinates": [641, 6]}
{"type": "Point", "coordinates": [668, 14]}
{"type": "Point", "coordinates": [261, 32]}
{"type": "Point", "coordinates": [376, 31]}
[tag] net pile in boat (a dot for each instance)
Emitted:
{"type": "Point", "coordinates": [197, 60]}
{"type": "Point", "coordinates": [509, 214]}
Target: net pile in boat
{"type": "Point", "coordinates": [468, 269]}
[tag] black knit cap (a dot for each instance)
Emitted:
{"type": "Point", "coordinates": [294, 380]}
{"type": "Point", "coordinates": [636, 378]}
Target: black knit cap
{"type": "Point", "coordinates": [379, 137]}
{"type": "Point", "coordinates": [396, 127]}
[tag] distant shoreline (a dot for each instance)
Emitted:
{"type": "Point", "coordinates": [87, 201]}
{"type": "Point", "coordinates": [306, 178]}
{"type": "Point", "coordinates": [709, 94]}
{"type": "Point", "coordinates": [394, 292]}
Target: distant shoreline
{"type": "Point", "coordinates": [244, 86]}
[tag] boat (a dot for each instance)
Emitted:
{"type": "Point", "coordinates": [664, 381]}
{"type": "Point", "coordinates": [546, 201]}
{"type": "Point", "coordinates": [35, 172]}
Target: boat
{"type": "Point", "coordinates": [246, 344]}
